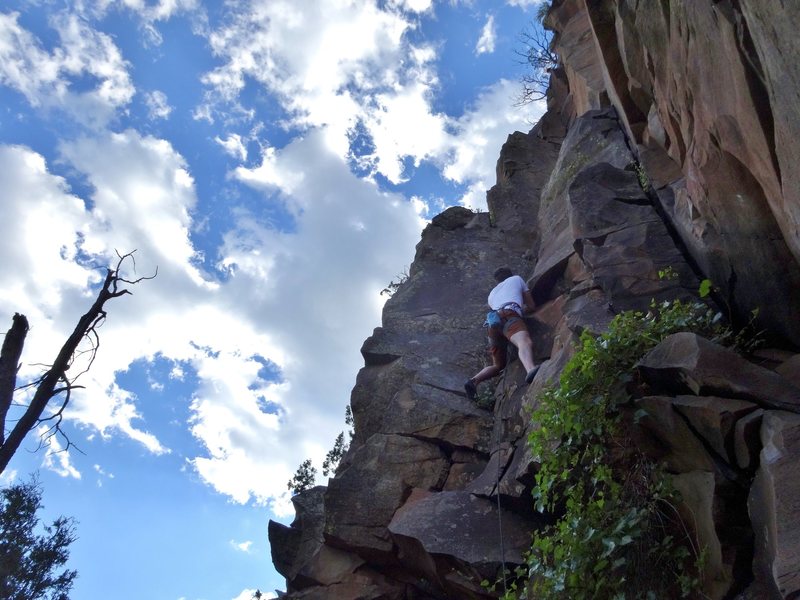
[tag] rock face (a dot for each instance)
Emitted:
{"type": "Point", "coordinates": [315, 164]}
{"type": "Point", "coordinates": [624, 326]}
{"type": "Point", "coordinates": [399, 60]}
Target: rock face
{"type": "Point", "coordinates": [707, 95]}
{"type": "Point", "coordinates": [669, 145]}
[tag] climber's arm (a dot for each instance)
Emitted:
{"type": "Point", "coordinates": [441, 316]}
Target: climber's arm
{"type": "Point", "coordinates": [528, 303]}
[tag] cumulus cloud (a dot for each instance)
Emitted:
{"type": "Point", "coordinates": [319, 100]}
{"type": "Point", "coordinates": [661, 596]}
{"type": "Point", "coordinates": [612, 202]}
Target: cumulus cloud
{"type": "Point", "coordinates": [403, 125]}
{"type": "Point", "coordinates": [301, 301]}
{"type": "Point", "coordinates": [47, 78]}
{"type": "Point", "coordinates": [486, 42]}
{"type": "Point", "coordinates": [317, 291]}
{"type": "Point", "coordinates": [346, 65]}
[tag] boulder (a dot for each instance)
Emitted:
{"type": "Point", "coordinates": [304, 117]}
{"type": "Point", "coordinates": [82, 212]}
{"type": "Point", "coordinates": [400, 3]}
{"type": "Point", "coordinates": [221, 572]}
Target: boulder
{"type": "Point", "coordinates": [747, 439]}
{"type": "Point", "coordinates": [686, 362]}
{"type": "Point", "coordinates": [463, 526]}
{"type": "Point", "coordinates": [388, 466]}
{"type": "Point", "coordinates": [697, 512]}
{"type": "Point", "coordinates": [664, 435]}
{"type": "Point", "coordinates": [294, 547]}
{"type": "Point", "coordinates": [790, 369]}
{"type": "Point", "coordinates": [464, 468]}
{"type": "Point", "coordinates": [714, 420]}
{"type": "Point", "coordinates": [365, 584]}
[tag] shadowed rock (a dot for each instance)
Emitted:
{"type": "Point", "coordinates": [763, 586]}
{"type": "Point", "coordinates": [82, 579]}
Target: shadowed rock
{"type": "Point", "coordinates": [463, 526]}
{"type": "Point", "coordinates": [773, 505]}
{"type": "Point", "coordinates": [686, 362]}
{"type": "Point", "coordinates": [387, 467]}
{"type": "Point", "coordinates": [714, 420]}
{"type": "Point", "coordinates": [294, 547]}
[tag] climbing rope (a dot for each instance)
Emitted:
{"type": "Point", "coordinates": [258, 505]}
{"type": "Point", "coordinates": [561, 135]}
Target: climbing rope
{"type": "Point", "coordinates": [499, 508]}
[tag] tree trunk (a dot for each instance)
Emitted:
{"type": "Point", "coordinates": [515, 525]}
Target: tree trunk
{"type": "Point", "coordinates": [9, 365]}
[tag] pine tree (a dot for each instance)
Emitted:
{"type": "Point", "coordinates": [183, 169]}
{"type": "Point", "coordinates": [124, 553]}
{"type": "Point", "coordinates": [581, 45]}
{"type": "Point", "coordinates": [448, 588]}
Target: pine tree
{"type": "Point", "coordinates": [304, 477]}
{"type": "Point", "coordinates": [29, 562]}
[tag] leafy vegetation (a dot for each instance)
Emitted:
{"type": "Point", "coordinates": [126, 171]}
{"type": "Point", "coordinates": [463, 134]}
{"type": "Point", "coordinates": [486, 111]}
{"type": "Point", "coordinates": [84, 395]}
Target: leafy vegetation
{"type": "Point", "coordinates": [641, 176]}
{"type": "Point", "coordinates": [306, 474]}
{"type": "Point", "coordinates": [304, 478]}
{"type": "Point", "coordinates": [614, 530]}
{"type": "Point", "coordinates": [29, 561]}
{"type": "Point", "coordinates": [334, 455]}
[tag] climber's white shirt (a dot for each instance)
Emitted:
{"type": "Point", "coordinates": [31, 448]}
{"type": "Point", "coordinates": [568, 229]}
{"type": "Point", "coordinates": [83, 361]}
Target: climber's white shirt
{"type": "Point", "coordinates": [509, 290]}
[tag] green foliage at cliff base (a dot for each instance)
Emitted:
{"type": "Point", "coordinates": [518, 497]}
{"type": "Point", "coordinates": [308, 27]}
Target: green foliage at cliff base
{"type": "Point", "coordinates": [615, 532]}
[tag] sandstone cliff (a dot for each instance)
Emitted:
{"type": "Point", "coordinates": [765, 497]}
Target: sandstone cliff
{"type": "Point", "coordinates": [434, 493]}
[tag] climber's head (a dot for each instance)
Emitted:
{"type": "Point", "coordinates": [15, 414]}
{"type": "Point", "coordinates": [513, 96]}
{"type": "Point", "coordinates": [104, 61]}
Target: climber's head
{"type": "Point", "coordinates": [502, 274]}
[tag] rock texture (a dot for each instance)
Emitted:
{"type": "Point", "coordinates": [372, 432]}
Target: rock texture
{"type": "Point", "coordinates": [669, 143]}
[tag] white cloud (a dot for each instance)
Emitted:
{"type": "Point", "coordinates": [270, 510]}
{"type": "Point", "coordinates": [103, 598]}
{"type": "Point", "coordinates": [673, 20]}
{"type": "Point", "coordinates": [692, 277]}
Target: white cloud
{"type": "Point", "coordinates": [316, 291]}
{"type": "Point", "coordinates": [247, 594]}
{"type": "Point", "coordinates": [242, 546]}
{"type": "Point", "coordinates": [143, 199]}
{"type": "Point", "coordinates": [418, 6]}
{"type": "Point", "coordinates": [8, 477]}
{"type": "Point", "coordinates": [46, 78]}
{"type": "Point", "coordinates": [39, 238]}
{"type": "Point", "coordinates": [304, 301]}
{"type": "Point", "coordinates": [157, 105]}
{"type": "Point", "coordinates": [334, 66]}
{"type": "Point", "coordinates": [478, 135]}
{"type": "Point", "coordinates": [486, 42]}
{"type": "Point", "coordinates": [101, 474]}
{"type": "Point", "coordinates": [233, 145]}
{"type": "Point", "coordinates": [403, 125]}
{"type": "Point", "coordinates": [525, 3]}
{"type": "Point", "coordinates": [149, 13]}
{"type": "Point", "coordinates": [56, 458]}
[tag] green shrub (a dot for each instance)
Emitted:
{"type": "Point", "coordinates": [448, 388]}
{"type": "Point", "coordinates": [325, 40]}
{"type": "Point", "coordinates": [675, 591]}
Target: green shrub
{"type": "Point", "coordinates": [614, 530]}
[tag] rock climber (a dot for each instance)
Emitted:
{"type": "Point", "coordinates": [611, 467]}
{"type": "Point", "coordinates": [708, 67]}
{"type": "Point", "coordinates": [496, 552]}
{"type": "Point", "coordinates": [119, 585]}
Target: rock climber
{"type": "Point", "coordinates": [509, 300]}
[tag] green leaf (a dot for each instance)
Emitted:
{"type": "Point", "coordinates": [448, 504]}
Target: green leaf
{"type": "Point", "coordinates": [705, 288]}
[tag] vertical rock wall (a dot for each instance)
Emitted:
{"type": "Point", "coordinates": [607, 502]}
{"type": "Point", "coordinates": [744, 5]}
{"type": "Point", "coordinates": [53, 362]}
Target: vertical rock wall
{"type": "Point", "coordinates": [708, 95]}
{"type": "Point", "coordinates": [434, 494]}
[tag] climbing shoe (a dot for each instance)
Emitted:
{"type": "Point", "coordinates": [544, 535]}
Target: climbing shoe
{"type": "Point", "coordinates": [471, 390]}
{"type": "Point", "coordinates": [531, 374]}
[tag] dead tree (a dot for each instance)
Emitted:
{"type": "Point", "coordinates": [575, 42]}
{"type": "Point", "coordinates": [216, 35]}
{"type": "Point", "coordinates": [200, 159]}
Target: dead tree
{"type": "Point", "coordinates": [539, 58]}
{"type": "Point", "coordinates": [56, 380]}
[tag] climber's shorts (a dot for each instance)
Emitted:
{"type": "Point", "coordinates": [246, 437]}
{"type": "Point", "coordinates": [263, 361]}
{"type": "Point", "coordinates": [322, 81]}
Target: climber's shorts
{"type": "Point", "coordinates": [514, 325]}
{"type": "Point", "coordinates": [498, 340]}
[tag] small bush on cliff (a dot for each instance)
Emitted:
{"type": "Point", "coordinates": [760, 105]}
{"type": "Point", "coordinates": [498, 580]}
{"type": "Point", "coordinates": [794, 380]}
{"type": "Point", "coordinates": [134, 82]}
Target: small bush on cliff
{"type": "Point", "coordinates": [615, 531]}
{"type": "Point", "coordinates": [306, 475]}
{"type": "Point", "coordinates": [304, 478]}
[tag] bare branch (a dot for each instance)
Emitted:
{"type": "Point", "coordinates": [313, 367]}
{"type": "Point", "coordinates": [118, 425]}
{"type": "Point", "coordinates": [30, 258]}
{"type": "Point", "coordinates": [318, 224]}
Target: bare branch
{"type": "Point", "coordinates": [540, 59]}
{"type": "Point", "coordinates": [47, 386]}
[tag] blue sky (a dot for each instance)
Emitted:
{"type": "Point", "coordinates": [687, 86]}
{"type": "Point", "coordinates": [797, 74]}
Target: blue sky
{"type": "Point", "coordinates": [276, 161]}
